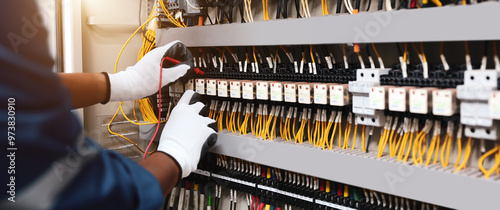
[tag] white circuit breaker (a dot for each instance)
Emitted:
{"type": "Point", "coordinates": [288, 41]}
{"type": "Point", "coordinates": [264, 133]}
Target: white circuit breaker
{"type": "Point", "coordinates": [421, 100]}
{"type": "Point", "coordinates": [474, 96]}
{"type": "Point", "coordinates": [211, 87]}
{"type": "Point", "coordinates": [360, 89]}
{"type": "Point", "coordinates": [305, 90]}
{"type": "Point", "coordinates": [222, 90]}
{"type": "Point", "coordinates": [235, 88]}
{"type": "Point", "coordinates": [276, 91]}
{"type": "Point", "coordinates": [290, 92]}
{"type": "Point", "coordinates": [398, 99]}
{"type": "Point", "coordinates": [339, 94]}
{"type": "Point", "coordinates": [200, 86]}
{"type": "Point", "coordinates": [248, 89]}
{"type": "Point", "coordinates": [262, 90]}
{"type": "Point", "coordinates": [320, 93]}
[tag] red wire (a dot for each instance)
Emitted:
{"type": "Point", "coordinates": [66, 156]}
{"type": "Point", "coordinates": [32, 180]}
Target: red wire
{"type": "Point", "coordinates": [159, 110]}
{"type": "Point", "coordinates": [261, 206]}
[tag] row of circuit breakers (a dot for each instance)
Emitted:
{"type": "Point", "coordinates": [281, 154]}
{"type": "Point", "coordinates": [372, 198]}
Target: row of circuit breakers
{"type": "Point", "coordinates": [476, 102]}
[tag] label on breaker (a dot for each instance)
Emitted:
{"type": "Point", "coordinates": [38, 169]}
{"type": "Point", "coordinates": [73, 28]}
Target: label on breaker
{"type": "Point", "coordinates": [443, 102]}
{"type": "Point", "coordinates": [304, 94]}
{"type": "Point", "coordinates": [494, 104]}
{"type": "Point", "coordinates": [397, 99]}
{"type": "Point", "coordinates": [262, 91]}
{"type": "Point", "coordinates": [189, 85]}
{"type": "Point", "coordinates": [276, 92]}
{"type": "Point", "coordinates": [338, 95]}
{"type": "Point", "coordinates": [212, 87]}
{"type": "Point", "coordinates": [419, 99]}
{"type": "Point", "coordinates": [290, 93]}
{"type": "Point", "coordinates": [320, 94]}
{"type": "Point", "coordinates": [248, 90]}
{"type": "Point", "coordinates": [222, 88]}
{"type": "Point", "coordinates": [178, 87]}
{"type": "Point", "coordinates": [200, 86]}
{"type": "Point", "coordinates": [235, 89]}
{"type": "Point", "coordinates": [377, 98]}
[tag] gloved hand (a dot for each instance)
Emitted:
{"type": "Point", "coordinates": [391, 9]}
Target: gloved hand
{"type": "Point", "coordinates": [187, 131]}
{"type": "Point", "coordinates": [142, 79]}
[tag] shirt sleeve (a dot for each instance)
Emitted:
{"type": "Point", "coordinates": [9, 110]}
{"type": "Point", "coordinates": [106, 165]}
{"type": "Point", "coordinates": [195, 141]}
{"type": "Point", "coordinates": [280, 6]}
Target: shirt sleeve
{"type": "Point", "coordinates": [48, 134]}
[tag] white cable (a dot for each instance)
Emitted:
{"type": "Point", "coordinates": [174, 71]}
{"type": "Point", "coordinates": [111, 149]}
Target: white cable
{"type": "Point", "coordinates": [198, 8]}
{"type": "Point", "coordinates": [372, 64]}
{"type": "Point", "coordinates": [497, 63]}
{"type": "Point", "coordinates": [348, 6]}
{"type": "Point", "coordinates": [468, 63]}
{"type": "Point", "coordinates": [361, 62]}
{"type": "Point", "coordinates": [307, 8]}
{"type": "Point", "coordinates": [346, 64]}
{"type": "Point", "coordinates": [388, 5]}
{"type": "Point", "coordinates": [381, 63]}
{"type": "Point", "coordinates": [483, 62]}
{"type": "Point", "coordinates": [445, 63]}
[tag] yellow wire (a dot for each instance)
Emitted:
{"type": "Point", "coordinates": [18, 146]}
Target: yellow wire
{"type": "Point", "coordinates": [355, 136]}
{"type": "Point", "coordinates": [381, 144]}
{"type": "Point", "coordinates": [434, 142]}
{"type": "Point", "coordinates": [333, 135]}
{"type": "Point", "coordinates": [311, 51]}
{"type": "Point", "coordinates": [254, 57]}
{"type": "Point", "coordinates": [405, 52]}
{"type": "Point", "coordinates": [459, 152]}
{"type": "Point", "coordinates": [347, 133]}
{"type": "Point", "coordinates": [409, 147]}
{"type": "Point", "coordinates": [362, 140]}
{"type": "Point", "coordinates": [466, 156]}
{"type": "Point", "coordinates": [169, 16]}
{"type": "Point", "coordinates": [423, 53]}
{"type": "Point", "coordinates": [487, 173]}
{"type": "Point", "coordinates": [135, 145]}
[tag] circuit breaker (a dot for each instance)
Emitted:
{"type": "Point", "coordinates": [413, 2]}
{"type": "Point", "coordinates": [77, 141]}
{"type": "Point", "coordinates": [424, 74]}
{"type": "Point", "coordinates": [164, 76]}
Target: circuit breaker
{"type": "Point", "coordinates": [360, 89]}
{"type": "Point", "coordinates": [474, 95]}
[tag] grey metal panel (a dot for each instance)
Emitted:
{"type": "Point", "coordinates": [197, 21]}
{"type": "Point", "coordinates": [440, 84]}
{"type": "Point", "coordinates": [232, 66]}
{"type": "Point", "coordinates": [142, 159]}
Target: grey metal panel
{"type": "Point", "coordinates": [450, 23]}
{"type": "Point", "coordinates": [464, 190]}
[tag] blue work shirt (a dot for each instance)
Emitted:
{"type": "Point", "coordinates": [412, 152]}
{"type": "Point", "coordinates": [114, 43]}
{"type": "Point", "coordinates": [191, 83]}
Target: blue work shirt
{"type": "Point", "coordinates": [52, 165]}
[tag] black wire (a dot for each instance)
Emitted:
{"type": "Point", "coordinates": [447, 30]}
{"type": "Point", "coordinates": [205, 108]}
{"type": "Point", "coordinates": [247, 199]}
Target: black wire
{"type": "Point", "coordinates": [369, 5]}
{"type": "Point", "coordinates": [278, 10]}
{"type": "Point", "coordinates": [339, 6]}
{"type": "Point", "coordinates": [368, 142]}
{"type": "Point", "coordinates": [297, 7]}
{"type": "Point", "coordinates": [400, 52]}
{"type": "Point", "coordinates": [380, 4]}
{"type": "Point", "coordinates": [242, 5]}
{"type": "Point", "coordinates": [403, 4]}
{"type": "Point", "coordinates": [393, 3]}
{"type": "Point", "coordinates": [358, 4]}
{"type": "Point", "coordinates": [284, 9]}
{"type": "Point", "coordinates": [210, 19]}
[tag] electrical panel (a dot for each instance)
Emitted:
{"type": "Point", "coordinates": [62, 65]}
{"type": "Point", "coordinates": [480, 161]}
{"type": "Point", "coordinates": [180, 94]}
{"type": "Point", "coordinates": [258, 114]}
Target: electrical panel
{"type": "Point", "coordinates": [410, 107]}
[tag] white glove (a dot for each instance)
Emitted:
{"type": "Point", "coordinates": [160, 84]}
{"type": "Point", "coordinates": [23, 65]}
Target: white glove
{"type": "Point", "coordinates": [142, 79]}
{"type": "Point", "coordinates": [186, 132]}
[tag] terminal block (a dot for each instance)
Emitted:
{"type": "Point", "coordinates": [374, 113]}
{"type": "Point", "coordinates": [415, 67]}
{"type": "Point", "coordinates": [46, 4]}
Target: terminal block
{"type": "Point", "coordinates": [474, 95]}
{"type": "Point", "coordinates": [360, 89]}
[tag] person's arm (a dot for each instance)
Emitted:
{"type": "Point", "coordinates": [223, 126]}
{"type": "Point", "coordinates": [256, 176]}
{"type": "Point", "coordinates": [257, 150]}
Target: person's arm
{"type": "Point", "coordinates": [86, 88]}
{"type": "Point", "coordinates": [136, 82]}
{"type": "Point", "coordinates": [164, 168]}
